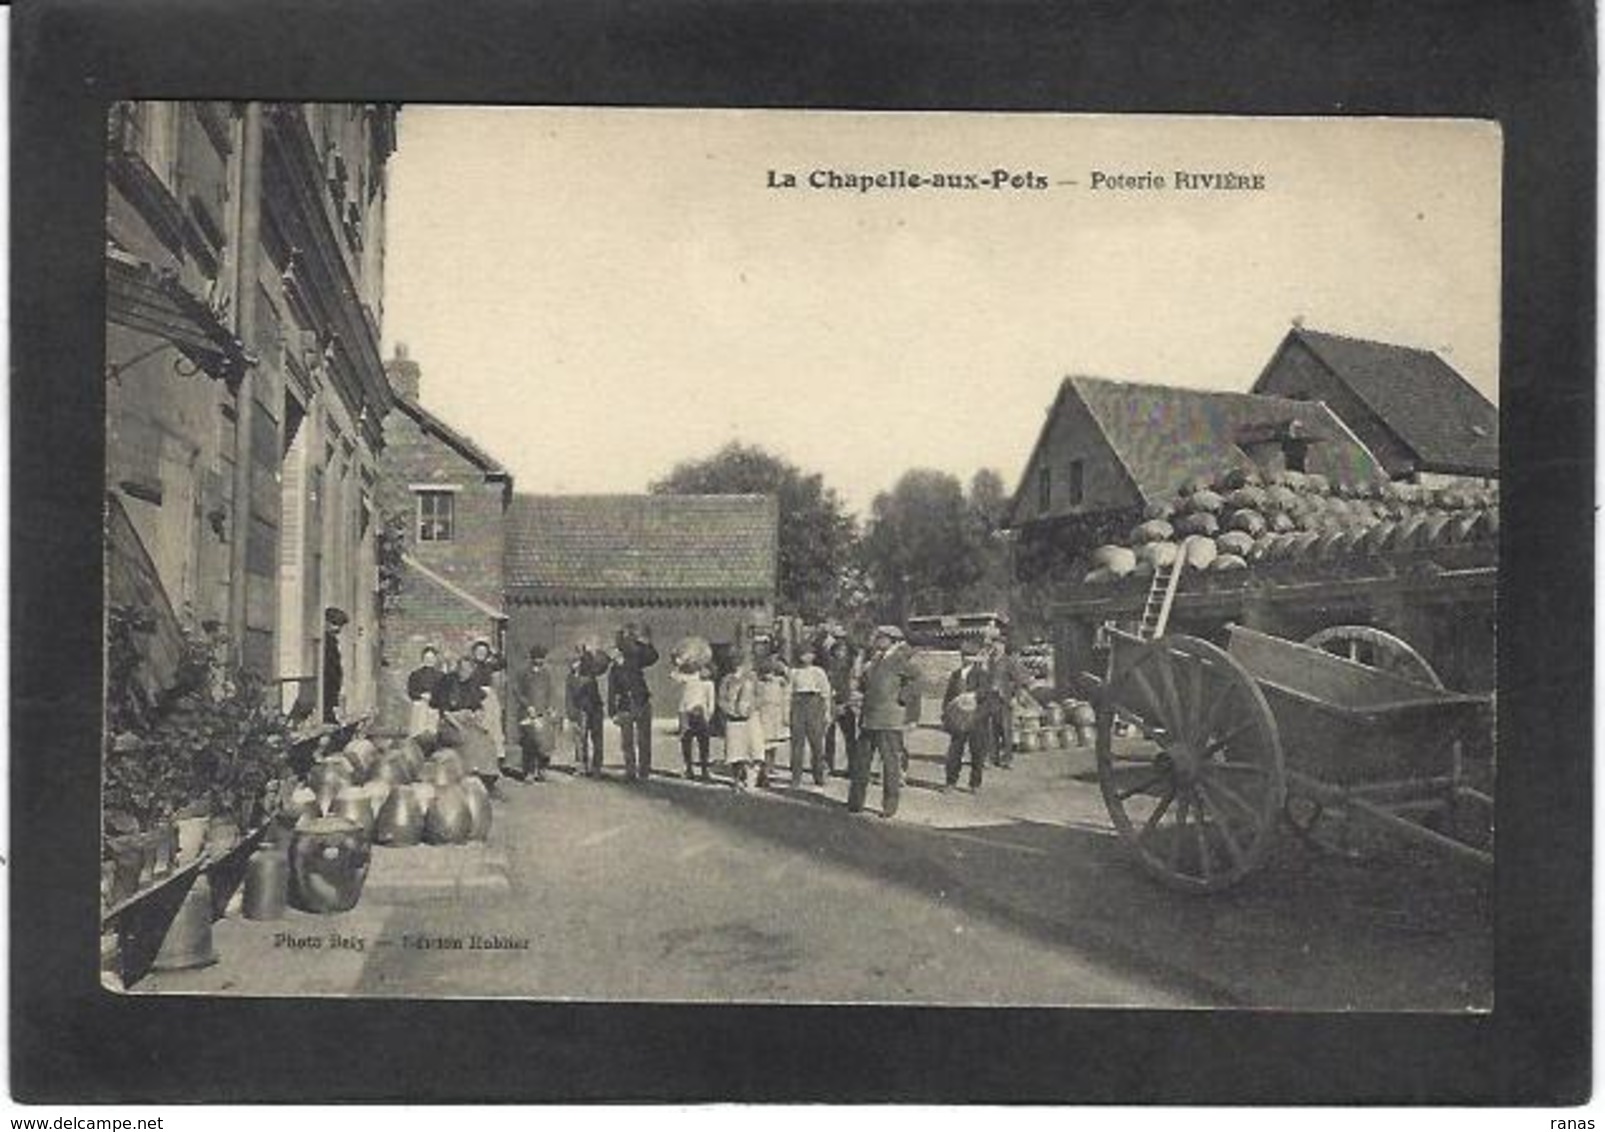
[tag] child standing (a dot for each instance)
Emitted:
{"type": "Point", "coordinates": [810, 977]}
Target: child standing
{"type": "Point", "coordinates": [697, 696]}
{"type": "Point", "coordinates": [774, 711]}
{"type": "Point", "coordinates": [743, 733]}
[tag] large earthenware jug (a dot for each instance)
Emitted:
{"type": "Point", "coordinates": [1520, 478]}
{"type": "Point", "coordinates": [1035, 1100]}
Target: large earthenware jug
{"type": "Point", "coordinates": [401, 818]}
{"type": "Point", "coordinates": [478, 808]}
{"type": "Point", "coordinates": [328, 864]}
{"type": "Point", "coordinates": [448, 821]}
{"type": "Point", "coordinates": [267, 883]}
{"type": "Point", "coordinates": [188, 942]}
{"type": "Point", "coordinates": [354, 805]}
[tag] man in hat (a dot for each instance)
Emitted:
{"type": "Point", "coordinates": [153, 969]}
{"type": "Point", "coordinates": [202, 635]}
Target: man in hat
{"type": "Point", "coordinates": [962, 719]}
{"type": "Point", "coordinates": [334, 619]}
{"type": "Point", "coordinates": [1005, 678]}
{"type": "Point", "coordinates": [535, 702]}
{"type": "Point", "coordinates": [583, 705]}
{"type": "Point", "coordinates": [630, 700]}
{"type": "Point", "coordinates": [888, 682]}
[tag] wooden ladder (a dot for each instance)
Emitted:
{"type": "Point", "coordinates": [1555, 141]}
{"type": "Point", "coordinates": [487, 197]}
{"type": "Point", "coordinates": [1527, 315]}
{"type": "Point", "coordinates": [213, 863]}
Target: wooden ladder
{"type": "Point", "coordinates": [1161, 596]}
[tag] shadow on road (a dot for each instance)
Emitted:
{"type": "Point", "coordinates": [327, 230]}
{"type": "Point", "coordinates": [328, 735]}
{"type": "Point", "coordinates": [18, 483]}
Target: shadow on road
{"type": "Point", "coordinates": [1309, 932]}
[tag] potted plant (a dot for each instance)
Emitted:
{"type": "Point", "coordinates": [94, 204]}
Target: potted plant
{"type": "Point", "coordinates": [213, 745]}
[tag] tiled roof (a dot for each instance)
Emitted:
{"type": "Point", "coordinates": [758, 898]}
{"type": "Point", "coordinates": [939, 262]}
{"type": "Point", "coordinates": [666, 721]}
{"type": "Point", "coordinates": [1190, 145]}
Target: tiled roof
{"type": "Point", "coordinates": [464, 447]}
{"type": "Point", "coordinates": [1448, 424]}
{"type": "Point", "coordinates": [653, 545]}
{"type": "Point", "coordinates": [1164, 434]}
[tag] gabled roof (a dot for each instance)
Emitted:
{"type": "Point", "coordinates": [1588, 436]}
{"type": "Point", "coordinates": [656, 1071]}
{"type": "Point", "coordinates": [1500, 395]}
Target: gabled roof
{"type": "Point", "coordinates": [1163, 434]}
{"type": "Point", "coordinates": [1437, 413]}
{"type": "Point", "coordinates": [453, 439]}
{"type": "Point", "coordinates": [652, 546]}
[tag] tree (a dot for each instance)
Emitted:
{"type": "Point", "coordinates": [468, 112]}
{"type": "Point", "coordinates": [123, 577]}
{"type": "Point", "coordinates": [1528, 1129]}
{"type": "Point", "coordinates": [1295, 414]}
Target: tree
{"type": "Point", "coordinates": [920, 546]}
{"type": "Point", "coordinates": [931, 547]}
{"type": "Point", "coordinates": [816, 534]}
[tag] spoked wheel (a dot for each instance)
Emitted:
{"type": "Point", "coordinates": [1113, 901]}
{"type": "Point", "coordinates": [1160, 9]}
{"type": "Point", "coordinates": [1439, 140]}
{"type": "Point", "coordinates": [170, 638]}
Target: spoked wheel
{"type": "Point", "coordinates": [1375, 648]}
{"type": "Point", "coordinates": [1199, 794]}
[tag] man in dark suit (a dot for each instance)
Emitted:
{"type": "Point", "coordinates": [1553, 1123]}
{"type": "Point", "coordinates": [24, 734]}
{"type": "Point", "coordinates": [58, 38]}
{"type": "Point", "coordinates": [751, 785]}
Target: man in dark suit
{"type": "Point", "coordinates": [334, 619]}
{"type": "Point", "coordinates": [962, 718]}
{"type": "Point", "coordinates": [629, 699]}
{"type": "Point", "coordinates": [888, 683]}
{"type": "Point", "coordinates": [1006, 678]}
{"type": "Point", "coordinates": [535, 705]}
{"type": "Point", "coordinates": [583, 705]}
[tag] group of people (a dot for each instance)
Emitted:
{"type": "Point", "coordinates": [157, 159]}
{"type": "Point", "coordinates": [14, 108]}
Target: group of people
{"type": "Point", "coordinates": [833, 699]}
{"type": "Point", "coordinates": [461, 704]}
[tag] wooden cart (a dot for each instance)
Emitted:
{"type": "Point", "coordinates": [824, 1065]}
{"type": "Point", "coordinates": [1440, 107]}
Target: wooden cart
{"type": "Point", "coordinates": [1220, 747]}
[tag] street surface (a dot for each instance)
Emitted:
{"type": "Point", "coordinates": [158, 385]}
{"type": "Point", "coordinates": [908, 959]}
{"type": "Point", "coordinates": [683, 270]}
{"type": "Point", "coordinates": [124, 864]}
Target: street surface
{"type": "Point", "coordinates": [1020, 895]}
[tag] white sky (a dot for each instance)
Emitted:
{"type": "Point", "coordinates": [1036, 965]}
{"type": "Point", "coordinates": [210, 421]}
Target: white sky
{"type": "Point", "coordinates": [595, 295]}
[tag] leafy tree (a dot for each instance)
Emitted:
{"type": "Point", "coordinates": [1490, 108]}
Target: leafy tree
{"type": "Point", "coordinates": [932, 547]}
{"type": "Point", "coordinates": [920, 546]}
{"type": "Point", "coordinates": [816, 533]}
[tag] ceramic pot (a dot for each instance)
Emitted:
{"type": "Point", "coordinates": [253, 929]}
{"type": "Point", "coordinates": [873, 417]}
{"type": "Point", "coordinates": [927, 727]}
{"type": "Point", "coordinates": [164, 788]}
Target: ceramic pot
{"type": "Point", "coordinates": [328, 865]}
{"type": "Point", "coordinates": [128, 855]}
{"type": "Point", "coordinates": [325, 770]}
{"type": "Point", "coordinates": [443, 773]}
{"type": "Point", "coordinates": [164, 844]}
{"type": "Point", "coordinates": [478, 809]}
{"type": "Point", "coordinates": [222, 835]}
{"type": "Point", "coordinates": [267, 883]}
{"type": "Point", "coordinates": [191, 837]}
{"type": "Point", "coordinates": [400, 821]}
{"type": "Point", "coordinates": [188, 942]}
{"type": "Point", "coordinates": [353, 804]}
{"type": "Point", "coordinates": [448, 820]}
{"type": "Point", "coordinates": [392, 770]}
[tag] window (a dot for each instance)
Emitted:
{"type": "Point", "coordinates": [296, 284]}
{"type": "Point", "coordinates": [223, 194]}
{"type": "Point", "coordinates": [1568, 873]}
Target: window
{"type": "Point", "coordinates": [1076, 472]}
{"type": "Point", "coordinates": [436, 516]}
{"type": "Point", "coordinates": [1044, 488]}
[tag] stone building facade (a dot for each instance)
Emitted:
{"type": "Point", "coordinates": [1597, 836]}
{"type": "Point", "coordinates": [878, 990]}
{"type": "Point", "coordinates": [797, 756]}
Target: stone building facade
{"type": "Point", "coordinates": [245, 390]}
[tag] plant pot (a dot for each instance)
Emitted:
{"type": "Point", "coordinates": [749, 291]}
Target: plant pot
{"type": "Point", "coordinates": [164, 841]}
{"type": "Point", "coordinates": [188, 942]}
{"type": "Point", "coordinates": [128, 857]}
{"type": "Point", "coordinates": [222, 835]}
{"type": "Point", "coordinates": [267, 883]}
{"type": "Point", "coordinates": [191, 837]}
{"type": "Point", "coordinates": [478, 809]}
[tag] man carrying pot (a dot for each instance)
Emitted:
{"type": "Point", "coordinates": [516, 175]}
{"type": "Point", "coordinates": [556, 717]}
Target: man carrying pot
{"type": "Point", "coordinates": [630, 700]}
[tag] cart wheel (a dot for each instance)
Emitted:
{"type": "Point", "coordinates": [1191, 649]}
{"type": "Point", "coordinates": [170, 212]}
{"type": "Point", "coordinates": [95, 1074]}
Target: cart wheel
{"type": "Point", "coordinates": [1375, 648]}
{"type": "Point", "coordinates": [1198, 794]}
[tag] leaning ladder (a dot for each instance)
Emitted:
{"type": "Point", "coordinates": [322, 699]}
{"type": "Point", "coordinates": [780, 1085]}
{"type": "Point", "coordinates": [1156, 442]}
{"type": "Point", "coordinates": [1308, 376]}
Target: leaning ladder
{"type": "Point", "coordinates": [1161, 596]}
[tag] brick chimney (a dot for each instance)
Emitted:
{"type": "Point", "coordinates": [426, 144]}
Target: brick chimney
{"type": "Point", "coordinates": [403, 373]}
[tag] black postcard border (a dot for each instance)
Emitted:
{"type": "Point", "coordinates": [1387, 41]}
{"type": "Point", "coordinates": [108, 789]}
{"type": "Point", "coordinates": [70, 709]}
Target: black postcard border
{"type": "Point", "coordinates": [1529, 66]}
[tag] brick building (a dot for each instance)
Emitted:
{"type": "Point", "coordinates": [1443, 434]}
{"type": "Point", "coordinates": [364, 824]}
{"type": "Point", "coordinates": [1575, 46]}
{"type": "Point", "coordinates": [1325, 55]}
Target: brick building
{"type": "Point", "coordinates": [681, 564]}
{"type": "Point", "coordinates": [1109, 447]}
{"type": "Point", "coordinates": [450, 498]}
{"type": "Point", "coordinates": [245, 390]}
{"type": "Point", "coordinates": [1408, 406]}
